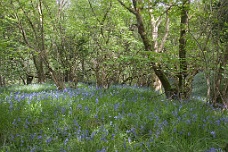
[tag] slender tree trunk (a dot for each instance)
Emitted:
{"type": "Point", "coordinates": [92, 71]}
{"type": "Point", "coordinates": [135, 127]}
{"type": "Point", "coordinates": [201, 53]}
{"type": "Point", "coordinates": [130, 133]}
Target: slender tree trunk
{"type": "Point", "coordinates": [38, 62]}
{"type": "Point", "coordinates": [220, 90]}
{"type": "Point", "coordinates": [1, 80]}
{"type": "Point", "coordinates": [183, 90]}
{"type": "Point", "coordinates": [208, 88]}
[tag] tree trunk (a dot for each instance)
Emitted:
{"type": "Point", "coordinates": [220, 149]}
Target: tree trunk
{"type": "Point", "coordinates": [220, 88]}
{"type": "Point", "coordinates": [29, 79]}
{"type": "Point", "coordinates": [38, 62]}
{"type": "Point", "coordinates": [220, 85]}
{"type": "Point", "coordinates": [1, 81]}
{"type": "Point", "coordinates": [183, 89]}
{"type": "Point", "coordinates": [169, 91]}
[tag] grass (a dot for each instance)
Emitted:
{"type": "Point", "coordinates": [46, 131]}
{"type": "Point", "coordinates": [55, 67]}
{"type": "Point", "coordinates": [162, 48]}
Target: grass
{"type": "Point", "coordinates": [37, 118]}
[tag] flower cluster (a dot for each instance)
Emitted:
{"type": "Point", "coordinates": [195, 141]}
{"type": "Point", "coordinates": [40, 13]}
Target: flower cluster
{"type": "Point", "coordinates": [120, 119]}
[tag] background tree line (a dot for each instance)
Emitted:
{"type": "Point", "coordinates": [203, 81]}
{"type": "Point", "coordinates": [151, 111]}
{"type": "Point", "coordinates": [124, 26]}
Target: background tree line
{"type": "Point", "coordinates": [160, 44]}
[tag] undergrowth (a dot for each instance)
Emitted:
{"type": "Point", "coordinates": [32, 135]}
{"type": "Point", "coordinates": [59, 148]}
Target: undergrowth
{"type": "Point", "coordinates": [39, 118]}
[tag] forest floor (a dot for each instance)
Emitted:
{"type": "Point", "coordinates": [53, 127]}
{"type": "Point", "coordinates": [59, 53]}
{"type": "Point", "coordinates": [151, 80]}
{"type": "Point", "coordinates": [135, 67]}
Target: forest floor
{"type": "Point", "coordinates": [40, 118]}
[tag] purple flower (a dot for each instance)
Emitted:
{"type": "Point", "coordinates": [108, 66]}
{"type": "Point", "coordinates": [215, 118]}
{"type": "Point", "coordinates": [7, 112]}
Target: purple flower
{"type": "Point", "coordinates": [97, 100]}
{"type": "Point", "coordinates": [189, 134]}
{"type": "Point", "coordinates": [48, 140]}
{"type": "Point", "coordinates": [14, 122]}
{"type": "Point", "coordinates": [129, 139]}
{"type": "Point", "coordinates": [33, 149]}
{"type": "Point", "coordinates": [79, 106]}
{"type": "Point", "coordinates": [111, 123]}
{"type": "Point", "coordinates": [113, 136]}
{"type": "Point", "coordinates": [87, 109]}
{"type": "Point", "coordinates": [39, 137]}
{"type": "Point", "coordinates": [102, 150]}
{"type": "Point", "coordinates": [116, 106]}
{"type": "Point", "coordinates": [11, 105]}
{"type": "Point", "coordinates": [218, 122]}
{"type": "Point", "coordinates": [65, 90]}
{"type": "Point", "coordinates": [66, 141]}
{"type": "Point", "coordinates": [76, 123]}
{"type": "Point", "coordinates": [63, 110]}
{"type": "Point", "coordinates": [213, 134]}
{"type": "Point", "coordinates": [212, 150]}
{"type": "Point", "coordinates": [93, 134]}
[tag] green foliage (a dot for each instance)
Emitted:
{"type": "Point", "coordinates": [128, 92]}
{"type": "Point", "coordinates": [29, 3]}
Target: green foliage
{"type": "Point", "coordinates": [100, 39]}
{"type": "Point", "coordinates": [118, 119]}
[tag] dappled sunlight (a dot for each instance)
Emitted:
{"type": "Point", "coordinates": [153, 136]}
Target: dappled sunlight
{"type": "Point", "coordinates": [31, 88]}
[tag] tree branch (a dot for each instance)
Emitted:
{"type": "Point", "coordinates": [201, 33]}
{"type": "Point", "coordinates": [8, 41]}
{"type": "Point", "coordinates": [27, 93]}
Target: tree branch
{"type": "Point", "coordinates": [128, 8]}
{"type": "Point", "coordinates": [166, 34]}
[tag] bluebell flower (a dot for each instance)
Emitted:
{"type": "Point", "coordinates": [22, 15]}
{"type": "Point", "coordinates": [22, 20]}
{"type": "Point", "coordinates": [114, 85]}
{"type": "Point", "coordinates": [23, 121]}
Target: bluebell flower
{"type": "Point", "coordinates": [11, 105]}
{"type": "Point", "coordinates": [93, 134]}
{"type": "Point", "coordinates": [65, 90]}
{"type": "Point", "coordinates": [66, 141]}
{"type": "Point", "coordinates": [189, 134]}
{"type": "Point", "coordinates": [48, 140]}
{"type": "Point", "coordinates": [213, 134]}
{"type": "Point", "coordinates": [97, 100]}
{"type": "Point", "coordinates": [113, 136]}
{"type": "Point", "coordinates": [211, 150]}
{"type": "Point", "coordinates": [188, 122]}
{"type": "Point", "coordinates": [116, 106]}
{"type": "Point", "coordinates": [129, 139]}
{"type": "Point", "coordinates": [218, 122]}
{"type": "Point", "coordinates": [33, 149]}
{"type": "Point", "coordinates": [63, 110]}
{"type": "Point", "coordinates": [62, 150]}
{"type": "Point", "coordinates": [102, 150]}
{"type": "Point", "coordinates": [111, 123]}
{"type": "Point", "coordinates": [103, 138]}
{"type": "Point", "coordinates": [32, 136]}
{"type": "Point", "coordinates": [128, 131]}
{"type": "Point", "coordinates": [12, 137]}
{"type": "Point", "coordinates": [87, 109]}
{"type": "Point", "coordinates": [14, 122]}
{"type": "Point", "coordinates": [79, 106]}
{"type": "Point", "coordinates": [39, 137]}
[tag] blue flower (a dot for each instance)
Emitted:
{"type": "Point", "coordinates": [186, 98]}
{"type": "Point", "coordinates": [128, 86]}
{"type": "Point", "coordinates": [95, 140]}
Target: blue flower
{"type": "Point", "coordinates": [116, 106]}
{"type": "Point", "coordinates": [93, 134]}
{"type": "Point", "coordinates": [97, 101]}
{"type": "Point", "coordinates": [129, 139]}
{"type": "Point", "coordinates": [39, 137]}
{"type": "Point", "coordinates": [87, 109]}
{"type": "Point", "coordinates": [63, 110]}
{"type": "Point", "coordinates": [218, 122]}
{"type": "Point", "coordinates": [65, 90]}
{"type": "Point", "coordinates": [212, 150]}
{"type": "Point", "coordinates": [79, 106]}
{"type": "Point", "coordinates": [48, 140]}
{"type": "Point", "coordinates": [102, 150]}
{"type": "Point", "coordinates": [66, 141]}
{"type": "Point", "coordinates": [213, 134]}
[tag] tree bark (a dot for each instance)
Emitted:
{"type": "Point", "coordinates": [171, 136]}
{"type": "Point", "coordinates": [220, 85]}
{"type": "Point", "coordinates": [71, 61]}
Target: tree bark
{"type": "Point", "coordinates": [219, 89]}
{"type": "Point", "coordinates": [183, 90]}
{"type": "Point", "coordinates": [1, 80]}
